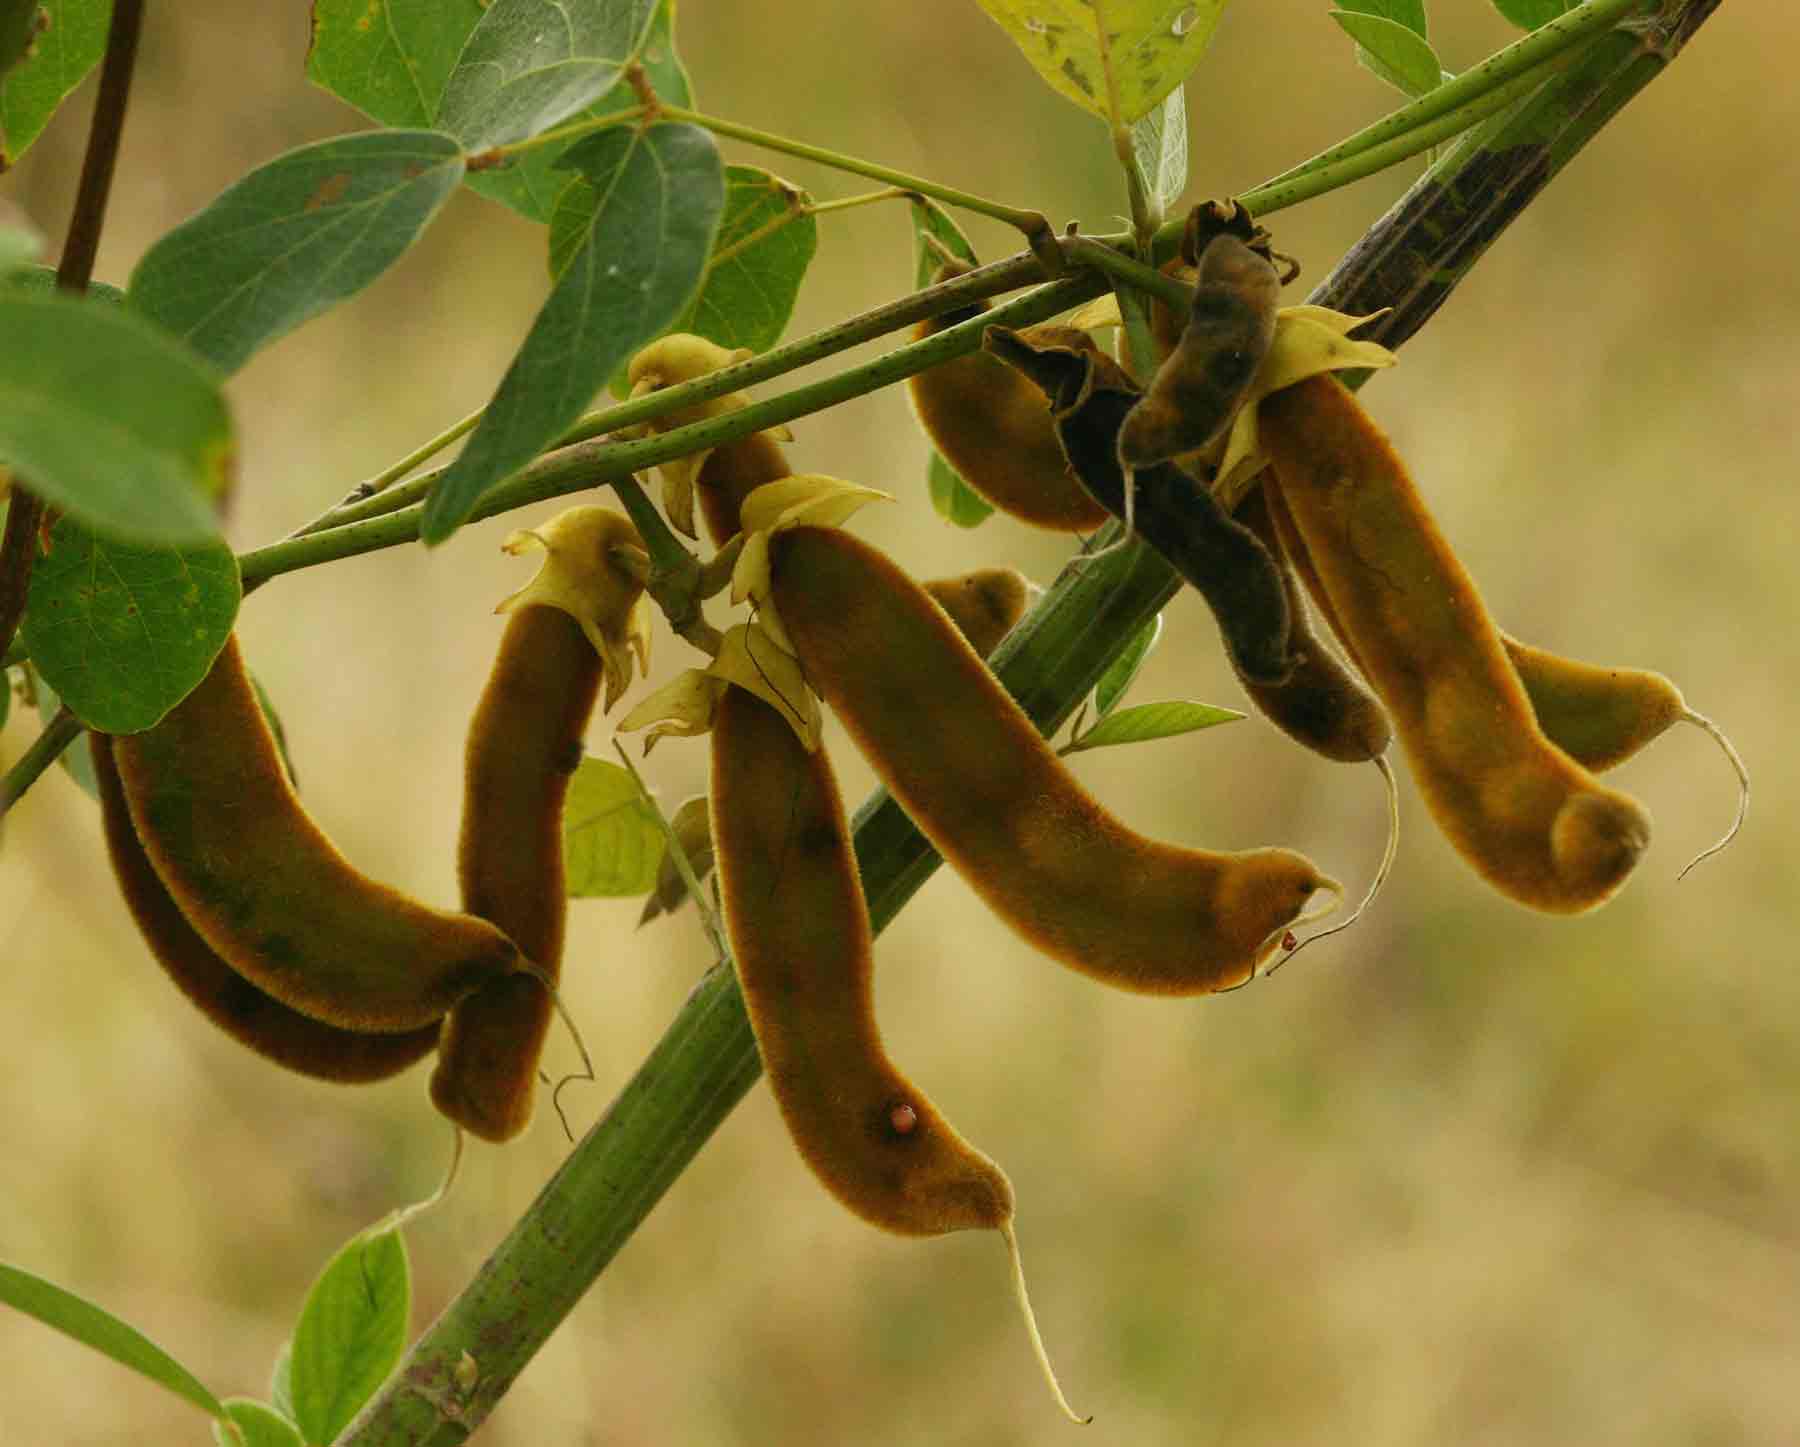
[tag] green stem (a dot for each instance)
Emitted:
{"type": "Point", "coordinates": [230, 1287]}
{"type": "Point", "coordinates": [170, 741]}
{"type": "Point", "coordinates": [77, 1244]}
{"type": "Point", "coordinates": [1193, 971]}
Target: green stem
{"type": "Point", "coordinates": [1524, 56]}
{"type": "Point", "coordinates": [591, 463]}
{"type": "Point", "coordinates": [706, 1061]}
{"type": "Point", "coordinates": [1312, 181]}
{"type": "Point", "coordinates": [984, 282]}
{"type": "Point", "coordinates": [1031, 223]}
{"type": "Point", "coordinates": [379, 484]}
{"type": "Point", "coordinates": [43, 751]}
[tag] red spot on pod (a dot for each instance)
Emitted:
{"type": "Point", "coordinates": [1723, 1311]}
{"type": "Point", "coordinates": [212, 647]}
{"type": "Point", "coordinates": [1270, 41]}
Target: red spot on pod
{"type": "Point", "coordinates": [902, 1118]}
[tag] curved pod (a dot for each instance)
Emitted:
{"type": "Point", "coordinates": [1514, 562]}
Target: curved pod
{"type": "Point", "coordinates": [251, 1017]}
{"type": "Point", "coordinates": [260, 882]}
{"type": "Point", "coordinates": [524, 744]}
{"type": "Point", "coordinates": [1527, 817]}
{"type": "Point", "coordinates": [968, 766]}
{"type": "Point", "coordinates": [801, 941]}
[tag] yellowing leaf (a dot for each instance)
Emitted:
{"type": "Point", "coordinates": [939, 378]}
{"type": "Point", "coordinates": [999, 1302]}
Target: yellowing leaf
{"type": "Point", "coordinates": [1149, 46]}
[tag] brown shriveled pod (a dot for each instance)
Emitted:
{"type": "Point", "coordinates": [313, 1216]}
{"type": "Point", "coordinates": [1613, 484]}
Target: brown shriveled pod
{"type": "Point", "coordinates": [1528, 818]}
{"type": "Point", "coordinates": [983, 604]}
{"type": "Point", "coordinates": [271, 895]}
{"type": "Point", "coordinates": [975, 775]}
{"type": "Point", "coordinates": [252, 1018]}
{"type": "Point", "coordinates": [1321, 705]}
{"type": "Point", "coordinates": [1175, 512]}
{"type": "Point", "coordinates": [803, 950]}
{"type": "Point", "coordinates": [723, 476]}
{"type": "Point", "coordinates": [1197, 390]}
{"type": "Point", "coordinates": [993, 426]}
{"type": "Point", "coordinates": [524, 744]}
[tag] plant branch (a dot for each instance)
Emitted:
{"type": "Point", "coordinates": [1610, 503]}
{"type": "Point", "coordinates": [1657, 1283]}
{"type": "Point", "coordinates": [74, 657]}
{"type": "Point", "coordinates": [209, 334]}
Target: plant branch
{"type": "Point", "coordinates": [706, 1061]}
{"type": "Point", "coordinates": [25, 510]}
{"type": "Point", "coordinates": [1032, 224]}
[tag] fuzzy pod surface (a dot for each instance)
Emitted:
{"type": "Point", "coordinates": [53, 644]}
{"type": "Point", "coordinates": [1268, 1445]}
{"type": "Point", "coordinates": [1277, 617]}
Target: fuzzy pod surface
{"type": "Point", "coordinates": [269, 892]}
{"type": "Point", "coordinates": [523, 746]}
{"type": "Point", "coordinates": [993, 426]}
{"type": "Point", "coordinates": [801, 941]}
{"type": "Point", "coordinates": [966, 763]}
{"type": "Point", "coordinates": [254, 1019]}
{"type": "Point", "coordinates": [1530, 820]}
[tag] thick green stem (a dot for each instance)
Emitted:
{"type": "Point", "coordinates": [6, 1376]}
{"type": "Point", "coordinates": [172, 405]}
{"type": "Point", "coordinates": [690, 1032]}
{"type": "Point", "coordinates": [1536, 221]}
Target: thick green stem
{"type": "Point", "coordinates": [707, 1060]}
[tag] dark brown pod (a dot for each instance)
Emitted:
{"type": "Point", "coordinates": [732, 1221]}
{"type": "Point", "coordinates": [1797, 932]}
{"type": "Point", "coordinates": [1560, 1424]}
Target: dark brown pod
{"type": "Point", "coordinates": [1175, 513]}
{"type": "Point", "coordinates": [297, 1042]}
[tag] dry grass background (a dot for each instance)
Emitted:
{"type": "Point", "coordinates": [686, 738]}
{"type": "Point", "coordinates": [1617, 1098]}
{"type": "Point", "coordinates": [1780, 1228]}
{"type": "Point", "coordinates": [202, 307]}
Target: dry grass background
{"type": "Point", "coordinates": [1462, 1175]}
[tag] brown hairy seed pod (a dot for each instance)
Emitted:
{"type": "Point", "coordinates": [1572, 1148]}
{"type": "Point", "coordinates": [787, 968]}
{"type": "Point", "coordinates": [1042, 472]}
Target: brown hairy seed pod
{"type": "Point", "coordinates": [1598, 716]}
{"type": "Point", "coordinates": [1528, 818]}
{"type": "Point", "coordinates": [992, 426]}
{"type": "Point", "coordinates": [251, 1017]}
{"type": "Point", "coordinates": [524, 745]}
{"type": "Point", "coordinates": [1200, 385]}
{"type": "Point", "coordinates": [1174, 512]}
{"type": "Point", "coordinates": [983, 604]}
{"type": "Point", "coordinates": [269, 893]}
{"type": "Point", "coordinates": [804, 955]}
{"type": "Point", "coordinates": [968, 766]}
{"type": "Point", "coordinates": [725, 475]}
{"type": "Point", "coordinates": [801, 941]}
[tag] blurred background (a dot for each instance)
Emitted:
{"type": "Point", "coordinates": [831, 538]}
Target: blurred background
{"type": "Point", "coordinates": [1463, 1174]}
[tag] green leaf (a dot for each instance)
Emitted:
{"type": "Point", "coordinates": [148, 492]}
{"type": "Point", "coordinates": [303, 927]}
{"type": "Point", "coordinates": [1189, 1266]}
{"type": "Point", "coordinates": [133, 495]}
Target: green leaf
{"type": "Point", "coordinates": [1529, 14]}
{"type": "Point", "coordinates": [1410, 13]}
{"type": "Point", "coordinates": [1152, 721]}
{"type": "Point", "coordinates": [109, 419]}
{"type": "Point", "coordinates": [530, 64]}
{"type": "Point", "coordinates": [612, 842]}
{"type": "Point", "coordinates": [1120, 674]}
{"type": "Point", "coordinates": [78, 759]}
{"type": "Point", "coordinates": [1159, 146]}
{"type": "Point", "coordinates": [765, 243]}
{"type": "Point", "coordinates": [1396, 54]}
{"type": "Point", "coordinates": [1153, 46]}
{"type": "Point", "coordinates": [293, 238]}
{"type": "Point", "coordinates": [281, 1380]}
{"type": "Point", "coordinates": [6, 686]}
{"type": "Point", "coordinates": [533, 183]}
{"type": "Point", "coordinates": [21, 243]}
{"type": "Point", "coordinates": [931, 219]}
{"type": "Point", "coordinates": [95, 1327]}
{"type": "Point", "coordinates": [390, 58]}
{"type": "Point", "coordinates": [123, 631]}
{"type": "Point", "coordinates": [351, 1332]}
{"type": "Point", "coordinates": [258, 1424]}
{"type": "Point", "coordinates": [952, 498]}
{"type": "Point", "coordinates": [661, 193]}
{"type": "Point", "coordinates": [60, 59]}
{"type": "Point", "coordinates": [19, 24]}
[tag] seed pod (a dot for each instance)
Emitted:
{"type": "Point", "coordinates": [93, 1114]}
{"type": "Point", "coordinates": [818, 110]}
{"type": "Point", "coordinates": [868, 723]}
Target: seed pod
{"type": "Point", "coordinates": [803, 950]}
{"type": "Point", "coordinates": [1531, 821]}
{"type": "Point", "coordinates": [273, 1030]}
{"type": "Point", "coordinates": [1200, 385]}
{"type": "Point", "coordinates": [984, 604]}
{"type": "Point", "coordinates": [1176, 514]}
{"type": "Point", "coordinates": [269, 893]}
{"type": "Point", "coordinates": [692, 824]}
{"type": "Point", "coordinates": [993, 427]}
{"type": "Point", "coordinates": [524, 744]}
{"type": "Point", "coordinates": [968, 766]}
